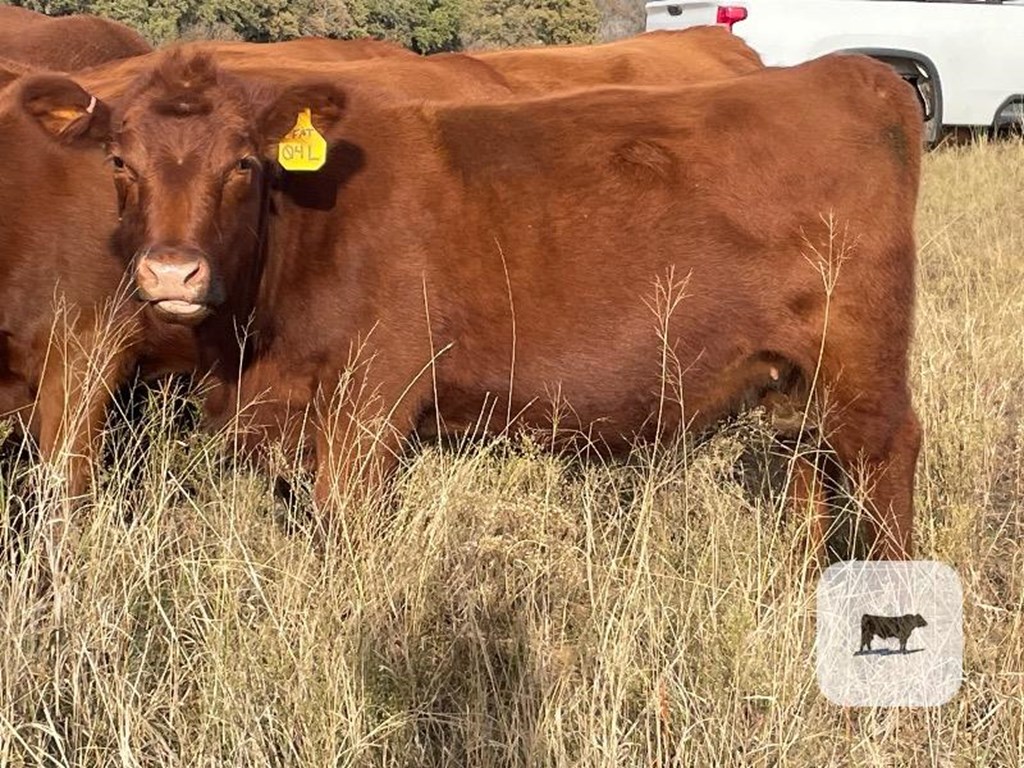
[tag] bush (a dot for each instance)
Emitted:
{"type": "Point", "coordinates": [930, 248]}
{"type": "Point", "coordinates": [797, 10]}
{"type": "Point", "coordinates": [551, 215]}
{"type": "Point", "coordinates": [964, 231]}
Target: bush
{"type": "Point", "coordinates": [501, 23]}
{"type": "Point", "coordinates": [425, 26]}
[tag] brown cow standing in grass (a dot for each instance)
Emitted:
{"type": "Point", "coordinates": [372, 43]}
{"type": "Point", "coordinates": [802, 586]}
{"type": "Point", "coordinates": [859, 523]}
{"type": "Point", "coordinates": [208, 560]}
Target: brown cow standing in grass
{"type": "Point", "coordinates": [55, 195]}
{"type": "Point", "coordinates": [644, 257]}
{"type": "Point", "coordinates": [58, 366]}
{"type": "Point", "coordinates": [54, 239]}
{"type": "Point", "coordinates": [65, 43]}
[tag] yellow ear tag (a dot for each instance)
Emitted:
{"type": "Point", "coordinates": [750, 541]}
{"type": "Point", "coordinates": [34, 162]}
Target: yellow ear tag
{"type": "Point", "coordinates": [302, 148]}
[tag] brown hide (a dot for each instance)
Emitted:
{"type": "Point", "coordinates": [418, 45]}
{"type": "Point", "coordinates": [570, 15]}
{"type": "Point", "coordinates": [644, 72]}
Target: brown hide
{"type": "Point", "coordinates": [624, 261]}
{"type": "Point", "coordinates": [663, 57]}
{"type": "Point", "coordinates": [321, 51]}
{"type": "Point", "coordinates": [436, 78]}
{"type": "Point", "coordinates": [59, 216]}
{"type": "Point", "coordinates": [74, 202]}
{"type": "Point", "coordinates": [65, 43]}
{"type": "Point", "coordinates": [11, 70]}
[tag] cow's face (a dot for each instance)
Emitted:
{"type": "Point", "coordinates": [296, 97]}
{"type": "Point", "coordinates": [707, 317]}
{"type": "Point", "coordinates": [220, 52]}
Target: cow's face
{"type": "Point", "coordinates": [188, 174]}
{"type": "Point", "coordinates": [919, 620]}
{"type": "Point", "coordinates": [191, 150]}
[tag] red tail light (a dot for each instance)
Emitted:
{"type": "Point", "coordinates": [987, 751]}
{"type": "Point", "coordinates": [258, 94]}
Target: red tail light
{"type": "Point", "coordinates": [730, 14]}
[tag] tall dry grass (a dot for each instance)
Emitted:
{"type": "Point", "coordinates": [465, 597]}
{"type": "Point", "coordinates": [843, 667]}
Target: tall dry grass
{"type": "Point", "coordinates": [513, 608]}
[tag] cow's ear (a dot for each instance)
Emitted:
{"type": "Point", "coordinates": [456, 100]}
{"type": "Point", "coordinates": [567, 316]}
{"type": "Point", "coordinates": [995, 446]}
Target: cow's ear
{"type": "Point", "coordinates": [325, 101]}
{"type": "Point", "coordinates": [65, 110]}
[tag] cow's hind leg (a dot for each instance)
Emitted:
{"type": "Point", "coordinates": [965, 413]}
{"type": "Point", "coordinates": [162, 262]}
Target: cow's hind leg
{"type": "Point", "coordinates": [808, 500]}
{"type": "Point", "coordinates": [808, 488]}
{"type": "Point", "coordinates": [877, 445]}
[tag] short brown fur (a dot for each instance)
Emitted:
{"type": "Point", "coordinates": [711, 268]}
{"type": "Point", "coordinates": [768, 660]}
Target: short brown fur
{"type": "Point", "coordinates": [74, 202]}
{"type": "Point", "coordinates": [519, 239]}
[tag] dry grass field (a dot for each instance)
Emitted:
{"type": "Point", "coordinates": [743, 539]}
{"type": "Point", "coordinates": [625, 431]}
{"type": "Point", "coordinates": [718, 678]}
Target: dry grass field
{"type": "Point", "coordinates": [511, 608]}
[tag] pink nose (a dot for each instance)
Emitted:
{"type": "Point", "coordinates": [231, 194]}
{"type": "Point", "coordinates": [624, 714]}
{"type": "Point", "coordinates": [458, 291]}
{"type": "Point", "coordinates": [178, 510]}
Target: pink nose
{"type": "Point", "coordinates": [170, 275]}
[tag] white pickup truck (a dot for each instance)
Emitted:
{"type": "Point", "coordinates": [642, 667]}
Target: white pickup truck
{"type": "Point", "coordinates": [966, 59]}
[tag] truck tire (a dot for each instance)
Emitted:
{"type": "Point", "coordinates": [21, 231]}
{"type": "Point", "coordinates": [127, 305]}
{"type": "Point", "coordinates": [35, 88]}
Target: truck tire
{"type": "Point", "coordinates": [933, 126]}
{"type": "Point", "coordinates": [1009, 119]}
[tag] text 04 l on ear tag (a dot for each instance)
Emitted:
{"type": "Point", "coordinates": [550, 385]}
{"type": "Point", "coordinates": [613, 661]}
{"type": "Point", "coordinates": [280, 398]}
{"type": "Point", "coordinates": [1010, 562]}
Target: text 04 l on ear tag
{"type": "Point", "coordinates": [302, 148]}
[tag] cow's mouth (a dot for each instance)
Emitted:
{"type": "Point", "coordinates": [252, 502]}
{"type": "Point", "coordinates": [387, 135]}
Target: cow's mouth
{"type": "Point", "coordinates": [180, 310]}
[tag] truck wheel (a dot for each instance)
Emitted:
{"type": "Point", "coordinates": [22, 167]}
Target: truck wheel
{"type": "Point", "coordinates": [1009, 119]}
{"type": "Point", "coordinates": [927, 89]}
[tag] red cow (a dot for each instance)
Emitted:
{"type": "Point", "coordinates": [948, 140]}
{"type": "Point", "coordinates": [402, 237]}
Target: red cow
{"type": "Point", "coordinates": [74, 201]}
{"type": "Point", "coordinates": [643, 257]}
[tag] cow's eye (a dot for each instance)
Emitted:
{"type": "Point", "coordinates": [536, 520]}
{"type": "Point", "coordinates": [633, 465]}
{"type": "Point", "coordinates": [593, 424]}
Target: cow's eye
{"type": "Point", "coordinates": [121, 169]}
{"type": "Point", "coordinates": [246, 164]}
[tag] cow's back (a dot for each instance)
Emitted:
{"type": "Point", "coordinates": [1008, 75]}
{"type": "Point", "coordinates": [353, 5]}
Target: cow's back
{"type": "Point", "coordinates": [654, 58]}
{"type": "Point", "coordinates": [65, 43]}
{"type": "Point", "coordinates": [320, 51]}
{"type": "Point", "coordinates": [448, 77]}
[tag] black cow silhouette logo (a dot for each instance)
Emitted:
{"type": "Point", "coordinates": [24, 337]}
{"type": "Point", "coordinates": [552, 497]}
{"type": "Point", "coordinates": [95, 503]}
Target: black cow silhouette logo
{"type": "Point", "coordinates": [888, 626]}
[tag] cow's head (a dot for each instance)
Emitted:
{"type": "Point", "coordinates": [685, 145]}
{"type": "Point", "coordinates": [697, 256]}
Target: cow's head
{"type": "Point", "coordinates": [192, 150]}
{"type": "Point", "coordinates": [919, 620]}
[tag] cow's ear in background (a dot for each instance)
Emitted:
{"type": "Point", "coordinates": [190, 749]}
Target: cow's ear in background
{"type": "Point", "coordinates": [64, 110]}
{"type": "Point", "coordinates": [325, 102]}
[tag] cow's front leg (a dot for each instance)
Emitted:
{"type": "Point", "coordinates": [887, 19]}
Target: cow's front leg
{"type": "Point", "coordinates": [74, 393]}
{"type": "Point", "coordinates": [360, 438]}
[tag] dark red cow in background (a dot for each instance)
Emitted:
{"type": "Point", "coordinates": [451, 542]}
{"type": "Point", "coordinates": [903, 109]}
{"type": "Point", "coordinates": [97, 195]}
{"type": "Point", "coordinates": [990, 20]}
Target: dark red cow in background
{"type": "Point", "coordinates": [65, 43]}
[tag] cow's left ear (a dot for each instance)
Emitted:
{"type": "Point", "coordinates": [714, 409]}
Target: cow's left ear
{"type": "Point", "coordinates": [325, 101]}
{"type": "Point", "coordinates": [64, 110]}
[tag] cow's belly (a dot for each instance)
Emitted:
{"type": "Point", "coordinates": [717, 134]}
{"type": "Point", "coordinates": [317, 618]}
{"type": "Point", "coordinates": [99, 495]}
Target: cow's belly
{"type": "Point", "coordinates": [615, 404]}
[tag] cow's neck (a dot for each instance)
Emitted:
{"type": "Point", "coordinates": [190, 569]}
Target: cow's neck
{"type": "Point", "coordinates": [232, 337]}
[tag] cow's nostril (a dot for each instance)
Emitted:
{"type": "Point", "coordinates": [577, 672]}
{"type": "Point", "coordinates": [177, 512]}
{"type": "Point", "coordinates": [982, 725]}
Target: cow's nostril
{"type": "Point", "coordinates": [191, 272]}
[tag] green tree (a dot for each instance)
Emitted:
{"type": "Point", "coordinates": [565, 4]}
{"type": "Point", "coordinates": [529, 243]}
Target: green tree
{"type": "Point", "coordinates": [426, 26]}
{"type": "Point", "coordinates": [500, 23]}
{"type": "Point", "coordinates": [162, 21]}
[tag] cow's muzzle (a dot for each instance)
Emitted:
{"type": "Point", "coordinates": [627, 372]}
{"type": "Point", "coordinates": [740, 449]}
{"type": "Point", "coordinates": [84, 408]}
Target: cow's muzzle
{"type": "Point", "coordinates": [176, 283]}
